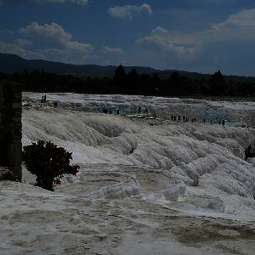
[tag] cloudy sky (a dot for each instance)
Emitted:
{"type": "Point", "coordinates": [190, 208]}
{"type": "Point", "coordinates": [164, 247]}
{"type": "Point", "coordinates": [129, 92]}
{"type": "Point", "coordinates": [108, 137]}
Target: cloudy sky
{"type": "Point", "coordinates": [195, 35]}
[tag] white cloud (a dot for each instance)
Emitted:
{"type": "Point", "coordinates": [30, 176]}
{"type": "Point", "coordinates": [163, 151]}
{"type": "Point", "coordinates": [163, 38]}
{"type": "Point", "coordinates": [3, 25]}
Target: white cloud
{"type": "Point", "coordinates": [245, 18]}
{"type": "Point", "coordinates": [48, 41]}
{"type": "Point", "coordinates": [23, 42]}
{"type": "Point", "coordinates": [55, 35]}
{"type": "Point", "coordinates": [14, 48]}
{"type": "Point", "coordinates": [51, 31]}
{"type": "Point", "coordinates": [237, 27]}
{"type": "Point", "coordinates": [159, 30]}
{"type": "Point", "coordinates": [110, 50]}
{"type": "Point", "coordinates": [52, 42]}
{"type": "Point", "coordinates": [178, 44]}
{"type": "Point", "coordinates": [129, 11]}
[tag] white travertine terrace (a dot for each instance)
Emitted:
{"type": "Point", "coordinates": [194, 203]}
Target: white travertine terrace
{"type": "Point", "coordinates": [137, 191]}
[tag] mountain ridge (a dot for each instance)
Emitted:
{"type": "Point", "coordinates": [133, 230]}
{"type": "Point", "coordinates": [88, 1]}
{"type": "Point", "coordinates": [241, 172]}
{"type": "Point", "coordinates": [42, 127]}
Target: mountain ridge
{"type": "Point", "coordinates": [11, 63]}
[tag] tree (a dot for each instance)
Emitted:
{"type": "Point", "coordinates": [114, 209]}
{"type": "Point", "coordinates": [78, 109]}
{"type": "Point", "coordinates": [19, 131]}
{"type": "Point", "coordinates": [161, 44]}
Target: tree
{"type": "Point", "coordinates": [120, 73]}
{"type": "Point", "coordinates": [218, 84]}
{"type": "Point", "coordinates": [218, 77]}
{"type": "Point", "coordinates": [132, 81]}
{"type": "Point", "coordinates": [174, 84]}
{"type": "Point", "coordinates": [48, 162]}
{"type": "Point", "coordinates": [133, 74]}
{"type": "Point", "coordinates": [175, 77]}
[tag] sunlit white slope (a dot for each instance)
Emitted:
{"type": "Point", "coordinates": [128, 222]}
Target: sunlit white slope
{"type": "Point", "coordinates": [182, 152]}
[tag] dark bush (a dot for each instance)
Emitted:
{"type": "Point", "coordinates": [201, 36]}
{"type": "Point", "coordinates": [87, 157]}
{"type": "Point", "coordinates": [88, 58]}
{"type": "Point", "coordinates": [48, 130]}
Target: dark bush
{"type": "Point", "coordinates": [48, 162]}
{"type": "Point", "coordinates": [249, 152]}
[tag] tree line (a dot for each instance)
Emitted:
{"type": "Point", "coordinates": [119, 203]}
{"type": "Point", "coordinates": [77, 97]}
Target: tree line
{"type": "Point", "coordinates": [177, 84]}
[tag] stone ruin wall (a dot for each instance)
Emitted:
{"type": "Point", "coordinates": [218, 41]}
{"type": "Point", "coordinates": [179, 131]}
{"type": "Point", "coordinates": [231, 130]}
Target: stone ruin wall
{"type": "Point", "coordinates": [11, 129]}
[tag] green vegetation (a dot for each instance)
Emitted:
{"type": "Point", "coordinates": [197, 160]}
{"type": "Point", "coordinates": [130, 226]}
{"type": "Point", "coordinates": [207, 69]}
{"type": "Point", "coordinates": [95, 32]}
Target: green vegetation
{"type": "Point", "coordinates": [179, 84]}
{"type": "Point", "coordinates": [48, 162]}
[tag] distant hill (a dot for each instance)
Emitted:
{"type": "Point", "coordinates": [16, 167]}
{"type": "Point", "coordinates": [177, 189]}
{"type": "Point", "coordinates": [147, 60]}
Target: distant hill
{"type": "Point", "coordinates": [10, 63]}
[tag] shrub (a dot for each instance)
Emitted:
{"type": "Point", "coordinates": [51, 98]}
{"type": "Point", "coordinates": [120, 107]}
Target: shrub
{"type": "Point", "coordinates": [48, 162]}
{"type": "Point", "coordinates": [249, 152]}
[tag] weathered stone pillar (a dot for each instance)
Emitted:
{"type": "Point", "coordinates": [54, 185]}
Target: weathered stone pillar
{"type": "Point", "coordinates": [11, 128]}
